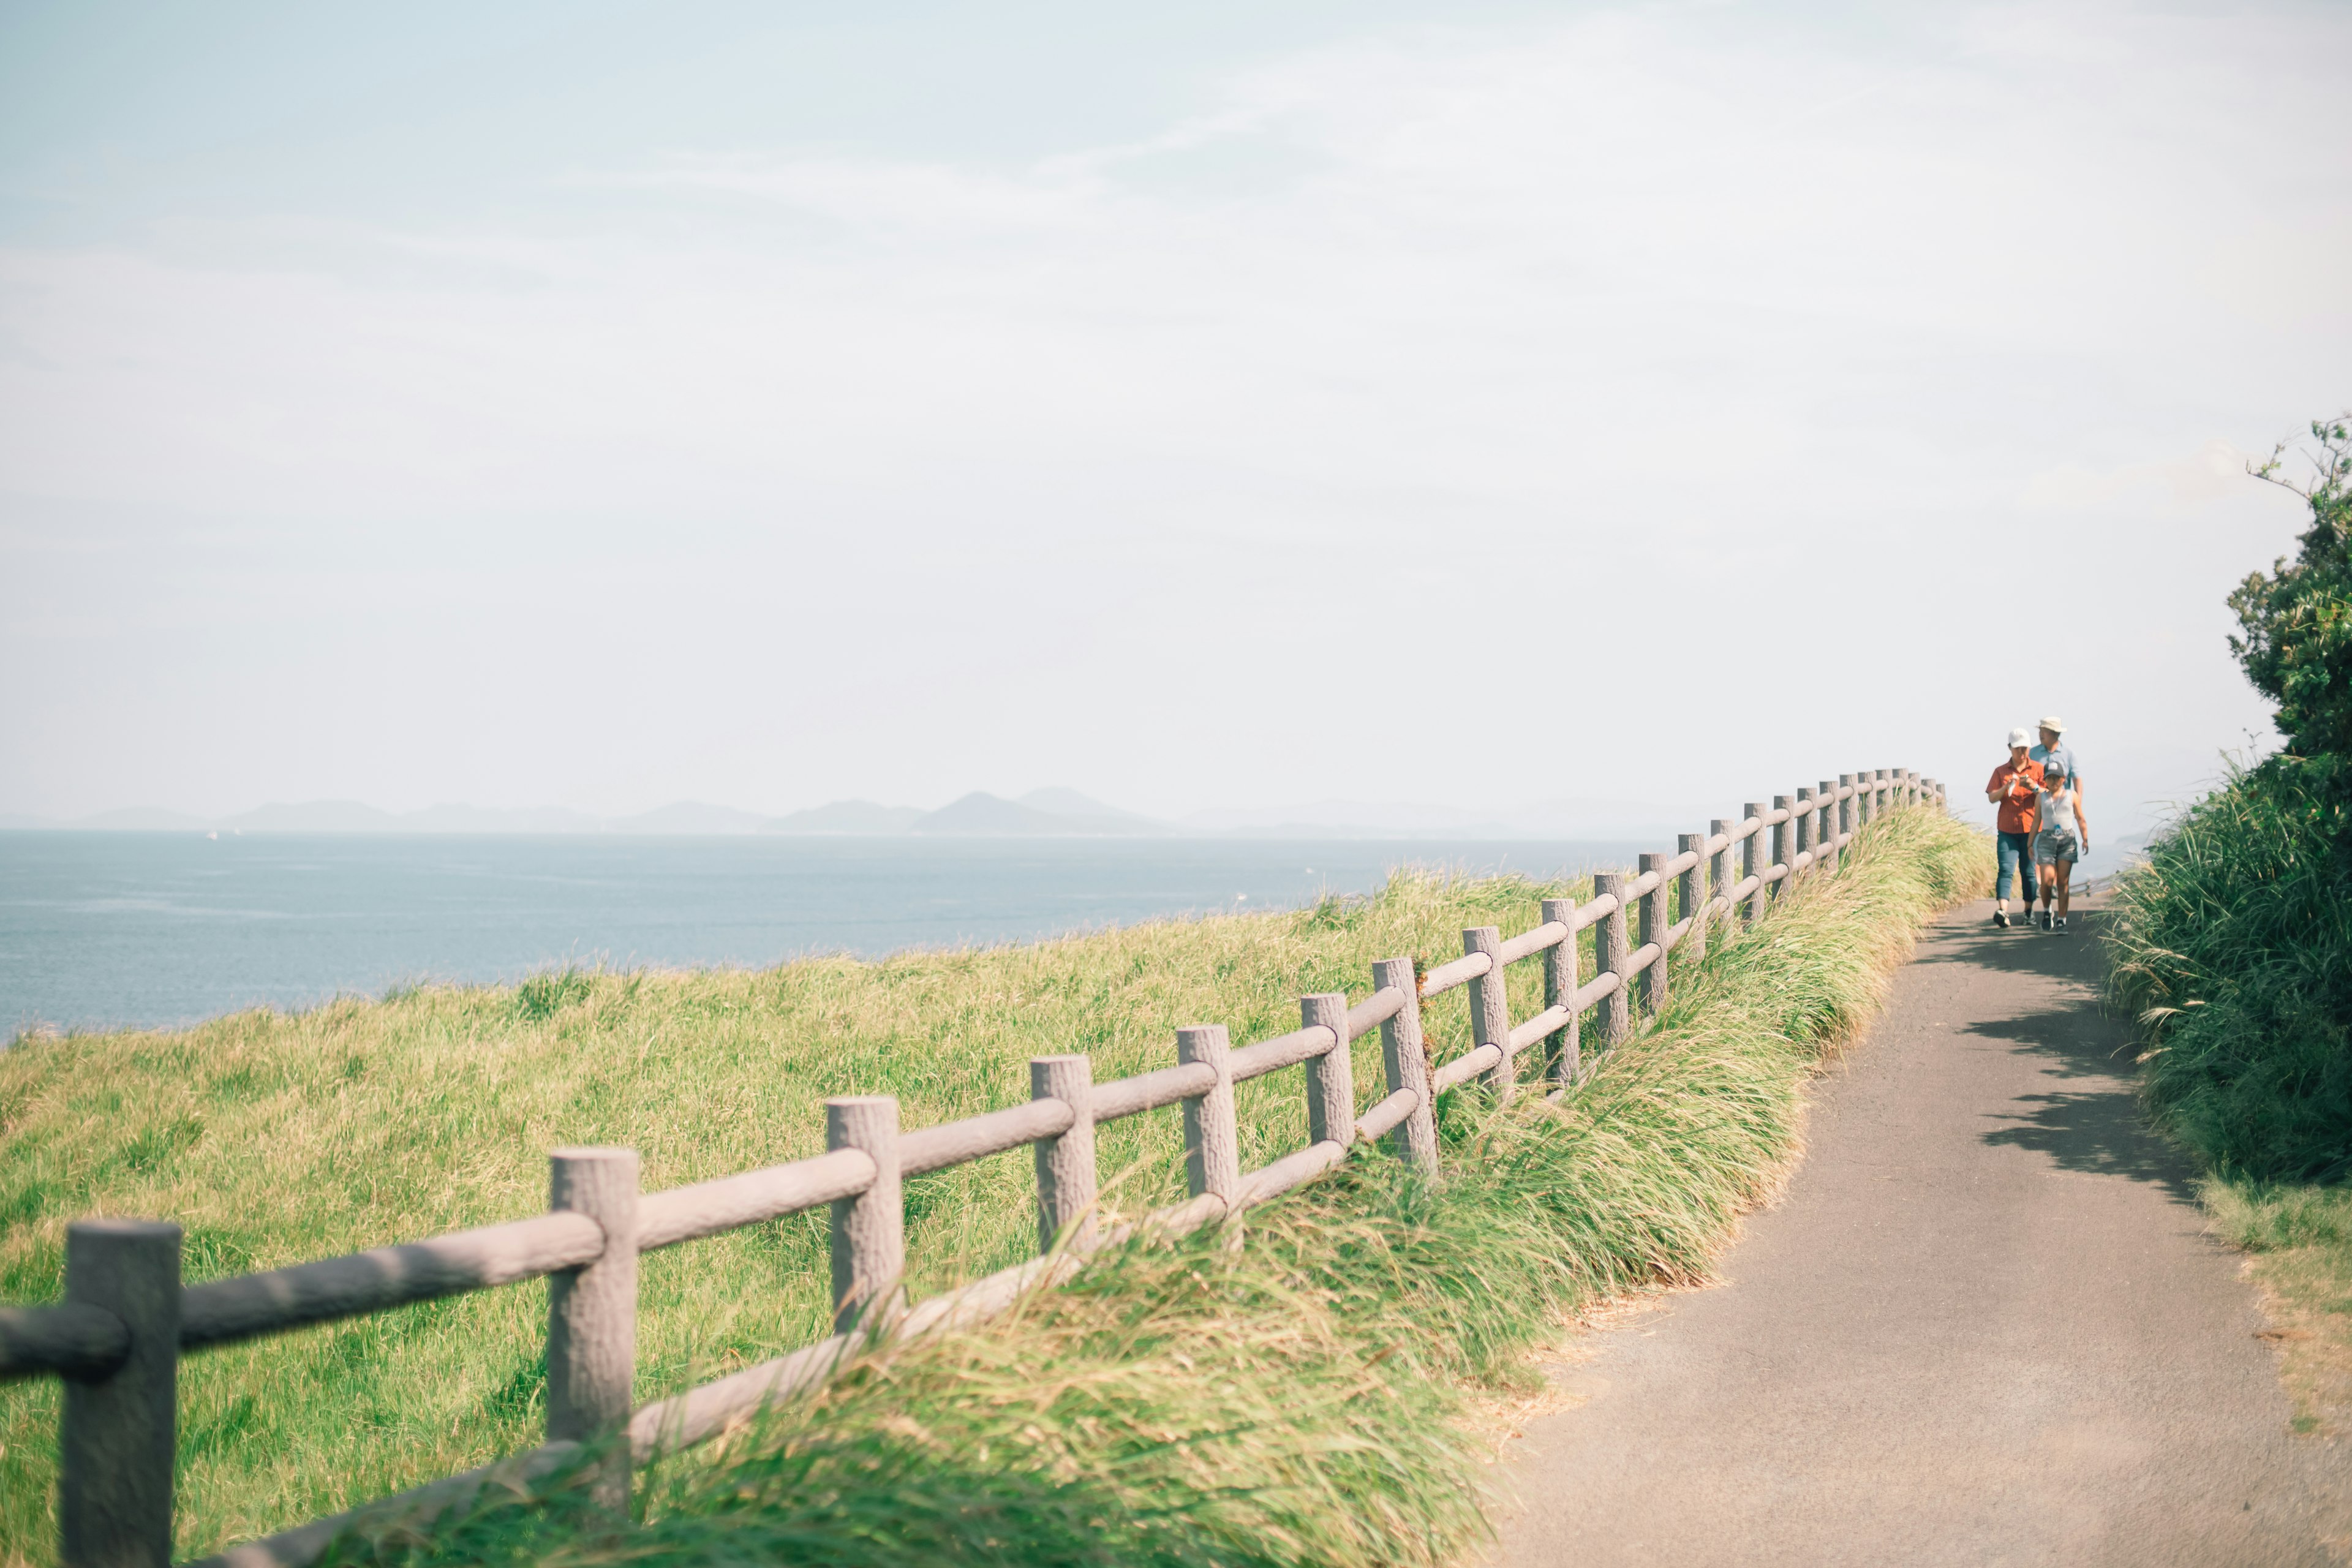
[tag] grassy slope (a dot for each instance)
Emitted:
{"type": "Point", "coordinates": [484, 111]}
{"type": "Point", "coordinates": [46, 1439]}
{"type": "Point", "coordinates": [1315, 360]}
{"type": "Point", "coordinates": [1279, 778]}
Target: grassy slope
{"type": "Point", "coordinates": [274, 1138]}
{"type": "Point", "coordinates": [2233, 945]}
{"type": "Point", "coordinates": [1298, 1399]}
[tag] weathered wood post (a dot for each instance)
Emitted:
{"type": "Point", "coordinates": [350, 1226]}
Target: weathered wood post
{"type": "Point", "coordinates": [1751, 857]}
{"type": "Point", "coordinates": [1490, 1011]}
{"type": "Point", "coordinates": [1718, 874]}
{"type": "Point", "coordinates": [1610, 952]}
{"type": "Point", "coordinates": [1845, 813]}
{"type": "Point", "coordinates": [592, 1313]}
{"type": "Point", "coordinates": [1687, 888]}
{"type": "Point", "coordinates": [869, 1230]}
{"type": "Point", "coordinates": [1911, 785]}
{"type": "Point", "coordinates": [1825, 833]}
{"type": "Point", "coordinates": [1406, 1059]}
{"type": "Point", "coordinates": [1213, 1153]}
{"type": "Point", "coordinates": [1065, 1164]}
{"type": "Point", "coordinates": [116, 1433]}
{"type": "Point", "coordinates": [1562, 1046]}
{"type": "Point", "coordinates": [1807, 824]}
{"type": "Point", "coordinates": [1653, 929]}
{"type": "Point", "coordinates": [1780, 836]}
{"type": "Point", "coordinates": [1331, 1077]}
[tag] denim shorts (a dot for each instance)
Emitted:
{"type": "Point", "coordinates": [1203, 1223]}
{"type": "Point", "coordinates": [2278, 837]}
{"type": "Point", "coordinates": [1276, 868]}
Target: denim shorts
{"type": "Point", "coordinates": [2016, 857]}
{"type": "Point", "coordinates": [2053, 845]}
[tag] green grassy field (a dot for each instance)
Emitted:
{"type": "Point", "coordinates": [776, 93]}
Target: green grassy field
{"type": "Point", "coordinates": [1293, 1401]}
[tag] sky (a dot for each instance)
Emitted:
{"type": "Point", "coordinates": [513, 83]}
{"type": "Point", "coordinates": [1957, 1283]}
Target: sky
{"type": "Point", "coordinates": [606, 405]}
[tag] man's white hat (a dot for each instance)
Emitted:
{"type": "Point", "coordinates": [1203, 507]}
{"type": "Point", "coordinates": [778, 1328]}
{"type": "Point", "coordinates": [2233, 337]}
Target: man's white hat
{"type": "Point", "coordinates": [2020, 737]}
{"type": "Point", "coordinates": [2055, 723]}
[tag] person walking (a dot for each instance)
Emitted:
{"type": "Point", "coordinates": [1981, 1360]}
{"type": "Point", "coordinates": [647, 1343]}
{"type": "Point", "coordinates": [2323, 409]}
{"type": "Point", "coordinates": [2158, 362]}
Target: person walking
{"type": "Point", "coordinates": [2057, 759]}
{"type": "Point", "coordinates": [2054, 754]}
{"type": "Point", "coordinates": [2016, 788]}
{"type": "Point", "coordinates": [2061, 838]}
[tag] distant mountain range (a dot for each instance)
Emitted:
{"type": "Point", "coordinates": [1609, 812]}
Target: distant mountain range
{"type": "Point", "coordinates": [1040, 814]}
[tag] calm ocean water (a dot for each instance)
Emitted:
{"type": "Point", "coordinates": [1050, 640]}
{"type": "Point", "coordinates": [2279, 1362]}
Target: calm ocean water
{"type": "Point", "coordinates": [101, 930]}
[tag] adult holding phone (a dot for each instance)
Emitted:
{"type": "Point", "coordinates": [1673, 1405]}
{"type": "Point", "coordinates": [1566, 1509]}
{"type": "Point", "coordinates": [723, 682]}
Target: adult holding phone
{"type": "Point", "coordinates": [2016, 788]}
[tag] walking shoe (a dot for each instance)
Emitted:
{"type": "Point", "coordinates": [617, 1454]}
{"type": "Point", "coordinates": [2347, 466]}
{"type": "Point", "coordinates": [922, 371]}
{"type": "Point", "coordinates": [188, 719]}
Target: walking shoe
{"type": "Point", "coordinates": [2045, 920]}
{"type": "Point", "coordinates": [2062, 922]}
{"type": "Point", "coordinates": [2000, 918]}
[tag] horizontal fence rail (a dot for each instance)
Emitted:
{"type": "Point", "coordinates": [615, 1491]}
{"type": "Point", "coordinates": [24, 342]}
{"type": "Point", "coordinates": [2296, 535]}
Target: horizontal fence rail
{"type": "Point", "coordinates": [116, 1339]}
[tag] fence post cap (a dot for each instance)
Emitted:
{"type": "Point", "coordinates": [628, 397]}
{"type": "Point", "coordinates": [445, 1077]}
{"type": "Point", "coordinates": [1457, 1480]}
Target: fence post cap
{"type": "Point", "coordinates": [154, 1230]}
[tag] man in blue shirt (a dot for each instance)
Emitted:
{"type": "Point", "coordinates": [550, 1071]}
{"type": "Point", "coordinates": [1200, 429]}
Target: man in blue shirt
{"type": "Point", "coordinates": [2057, 759]}
{"type": "Point", "coordinates": [2054, 755]}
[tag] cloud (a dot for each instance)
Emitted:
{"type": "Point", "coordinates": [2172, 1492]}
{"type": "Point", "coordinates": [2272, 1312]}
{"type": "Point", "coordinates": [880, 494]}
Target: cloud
{"type": "Point", "coordinates": [1532, 327]}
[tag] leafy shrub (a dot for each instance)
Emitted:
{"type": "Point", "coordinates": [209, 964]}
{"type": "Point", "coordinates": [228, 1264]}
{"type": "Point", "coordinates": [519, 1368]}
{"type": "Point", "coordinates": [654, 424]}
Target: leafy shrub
{"type": "Point", "coordinates": [2297, 619]}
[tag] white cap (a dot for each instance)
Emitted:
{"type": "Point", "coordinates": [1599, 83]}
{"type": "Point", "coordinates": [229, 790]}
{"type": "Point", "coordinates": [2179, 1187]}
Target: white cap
{"type": "Point", "coordinates": [2054, 724]}
{"type": "Point", "coordinates": [2020, 737]}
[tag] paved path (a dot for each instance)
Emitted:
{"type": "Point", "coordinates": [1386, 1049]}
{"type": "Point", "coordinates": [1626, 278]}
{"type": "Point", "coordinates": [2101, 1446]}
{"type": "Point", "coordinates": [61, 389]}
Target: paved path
{"type": "Point", "coordinates": [1985, 1326]}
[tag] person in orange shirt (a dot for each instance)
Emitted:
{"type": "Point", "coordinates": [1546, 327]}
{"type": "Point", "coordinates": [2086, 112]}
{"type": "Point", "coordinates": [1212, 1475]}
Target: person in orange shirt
{"type": "Point", "coordinates": [2016, 788]}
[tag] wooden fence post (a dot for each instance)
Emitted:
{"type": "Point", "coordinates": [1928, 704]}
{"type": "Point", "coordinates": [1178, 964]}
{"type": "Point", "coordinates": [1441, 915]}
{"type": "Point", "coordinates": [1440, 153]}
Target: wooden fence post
{"type": "Point", "coordinates": [1407, 1061]}
{"type": "Point", "coordinates": [1751, 857]}
{"type": "Point", "coordinates": [1878, 794]}
{"type": "Point", "coordinates": [1490, 1010]}
{"type": "Point", "coordinates": [1653, 929]}
{"type": "Point", "coordinates": [1845, 813]}
{"type": "Point", "coordinates": [1688, 889]}
{"type": "Point", "coordinates": [1780, 836]}
{"type": "Point", "coordinates": [116, 1433]}
{"type": "Point", "coordinates": [1212, 1156]}
{"type": "Point", "coordinates": [1331, 1077]}
{"type": "Point", "coordinates": [869, 1230]}
{"type": "Point", "coordinates": [1808, 826]}
{"type": "Point", "coordinates": [1562, 1046]}
{"type": "Point", "coordinates": [1609, 952]}
{"type": "Point", "coordinates": [592, 1313]}
{"type": "Point", "coordinates": [1825, 832]}
{"type": "Point", "coordinates": [1065, 1164]}
{"type": "Point", "coordinates": [1718, 874]}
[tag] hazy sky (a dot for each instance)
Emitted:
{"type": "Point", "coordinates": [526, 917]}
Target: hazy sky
{"type": "Point", "coordinates": [606, 405]}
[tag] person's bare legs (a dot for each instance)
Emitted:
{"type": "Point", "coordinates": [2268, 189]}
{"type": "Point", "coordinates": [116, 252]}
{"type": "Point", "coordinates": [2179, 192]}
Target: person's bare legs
{"type": "Point", "coordinates": [2063, 872]}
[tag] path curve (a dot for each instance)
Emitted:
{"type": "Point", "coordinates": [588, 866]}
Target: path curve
{"type": "Point", "coordinates": [1985, 1326]}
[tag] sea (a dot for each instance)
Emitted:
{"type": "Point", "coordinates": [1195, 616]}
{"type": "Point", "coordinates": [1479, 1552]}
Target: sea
{"type": "Point", "coordinates": [105, 930]}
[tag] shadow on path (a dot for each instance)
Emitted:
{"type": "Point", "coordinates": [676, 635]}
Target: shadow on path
{"type": "Point", "coordinates": [2098, 1128]}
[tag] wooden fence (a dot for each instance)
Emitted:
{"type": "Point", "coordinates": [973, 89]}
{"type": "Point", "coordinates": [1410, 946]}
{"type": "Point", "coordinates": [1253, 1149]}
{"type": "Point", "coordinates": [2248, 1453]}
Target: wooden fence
{"type": "Point", "coordinates": [126, 1319]}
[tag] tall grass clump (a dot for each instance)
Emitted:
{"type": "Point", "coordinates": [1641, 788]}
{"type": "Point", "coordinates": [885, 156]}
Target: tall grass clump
{"type": "Point", "coordinates": [1301, 1397]}
{"type": "Point", "coordinates": [2232, 945]}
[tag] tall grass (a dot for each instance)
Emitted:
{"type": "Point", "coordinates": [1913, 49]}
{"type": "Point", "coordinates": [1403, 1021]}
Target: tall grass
{"type": "Point", "coordinates": [1299, 1399]}
{"type": "Point", "coordinates": [2232, 945]}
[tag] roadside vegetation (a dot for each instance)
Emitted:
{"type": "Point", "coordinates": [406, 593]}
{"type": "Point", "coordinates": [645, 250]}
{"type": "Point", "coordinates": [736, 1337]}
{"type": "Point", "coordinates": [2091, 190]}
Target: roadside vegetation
{"type": "Point", "coordinates": [2232, 945]}
{"type": "Point", "coordinates": [1301, 1398]}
